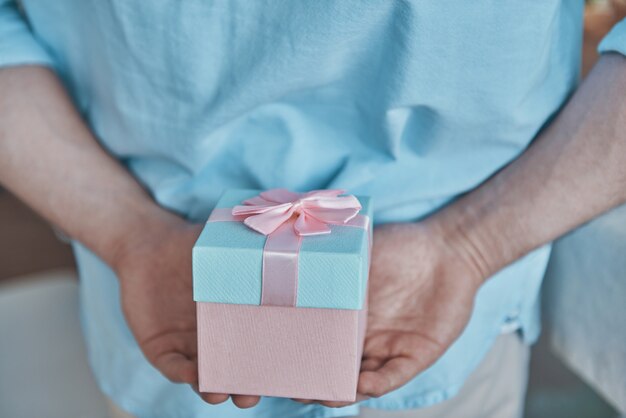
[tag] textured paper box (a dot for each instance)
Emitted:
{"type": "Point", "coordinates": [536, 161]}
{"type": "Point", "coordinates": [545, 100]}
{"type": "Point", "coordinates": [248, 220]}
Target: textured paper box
{"type": "Point", "coordinates": [332, 269]}
{"type": "Point", "coordinates": [306, 353]}
{"type": "Point", "coordinates": [311, 351]}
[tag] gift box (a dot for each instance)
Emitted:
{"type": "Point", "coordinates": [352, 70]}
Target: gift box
{"type": "Point", "coordinates": [280, 281]}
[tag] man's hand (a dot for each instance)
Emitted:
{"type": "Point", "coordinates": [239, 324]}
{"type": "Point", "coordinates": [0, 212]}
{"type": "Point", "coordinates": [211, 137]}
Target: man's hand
{"type": "Point", "coordinates": [424, 276]}
{"type": "Point", "coordinates": [50, 159]}
{"type": "Point", "coordinates": [421, 293]}
{"type": "Point", "coordinates": [157, 300]}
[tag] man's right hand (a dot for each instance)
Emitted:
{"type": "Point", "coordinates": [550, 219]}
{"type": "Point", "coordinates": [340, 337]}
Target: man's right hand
{"type": "Point", "coordinates": [157, 299]}
{"type": "Point", "coordinates": [51, 160]}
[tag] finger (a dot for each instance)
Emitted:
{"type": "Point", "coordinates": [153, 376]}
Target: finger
{"type": "Point", "coordinates": [214, 398]}
{"type": "Point", "coordinates": [177, 368]}
{"type": "Point", "coordinates": [335, 404]}
{"type": "Point", "coordinates": [304, 401]}
{"type": "Point", "coordinates": [361, 398]}
{"type": "Point", "coordinates": [391, 375]}
{"type": "Point", "coordinates": [245, 401]}
{"type": "Point", "coordinates": [372, 363]}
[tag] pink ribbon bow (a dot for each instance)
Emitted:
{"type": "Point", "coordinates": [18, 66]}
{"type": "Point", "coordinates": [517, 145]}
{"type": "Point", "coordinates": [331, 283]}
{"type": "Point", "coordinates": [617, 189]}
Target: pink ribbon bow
{"type": "Point", "coordinates": [315, 210]}
{"type": "Point", "coordinates": [285, 218]}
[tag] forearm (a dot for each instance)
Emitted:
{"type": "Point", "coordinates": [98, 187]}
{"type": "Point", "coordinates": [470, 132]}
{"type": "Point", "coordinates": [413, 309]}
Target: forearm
{"type": "Point", "coordinates": [574, 171]}
{"type": "Point", "coordinates": [49, 159]}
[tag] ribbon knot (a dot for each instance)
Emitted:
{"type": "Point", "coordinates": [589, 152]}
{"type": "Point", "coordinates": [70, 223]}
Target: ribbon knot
{"type": "Point", "coordinates": [314, 211]}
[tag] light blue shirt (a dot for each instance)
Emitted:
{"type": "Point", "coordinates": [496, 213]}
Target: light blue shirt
{"type": "Point", "coordinates": [412, 103]}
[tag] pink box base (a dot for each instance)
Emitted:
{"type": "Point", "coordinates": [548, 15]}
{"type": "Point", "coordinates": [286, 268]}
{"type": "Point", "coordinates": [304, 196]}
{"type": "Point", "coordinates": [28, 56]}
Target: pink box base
{"type": "Point", "coordinates": [287, 352]}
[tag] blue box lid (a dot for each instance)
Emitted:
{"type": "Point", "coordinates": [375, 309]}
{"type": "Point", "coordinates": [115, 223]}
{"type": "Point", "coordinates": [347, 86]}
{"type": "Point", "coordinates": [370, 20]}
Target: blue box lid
{"type": "Point", "coordinates": [332, 268]}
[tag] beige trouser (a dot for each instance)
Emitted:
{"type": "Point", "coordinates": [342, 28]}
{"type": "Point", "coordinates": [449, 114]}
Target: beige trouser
{"type": "Point", "coordinates": [496, 389]}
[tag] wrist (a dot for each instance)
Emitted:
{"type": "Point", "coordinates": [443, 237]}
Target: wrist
{"type": "Point", "coordinates": [141, 237]}
{"type": "Point", "coordinates": [467, 232]}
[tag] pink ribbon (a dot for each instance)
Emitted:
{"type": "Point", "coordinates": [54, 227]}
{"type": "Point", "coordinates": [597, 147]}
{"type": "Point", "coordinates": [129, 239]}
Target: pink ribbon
{"type": "Point", "coordinates": [285, 217]}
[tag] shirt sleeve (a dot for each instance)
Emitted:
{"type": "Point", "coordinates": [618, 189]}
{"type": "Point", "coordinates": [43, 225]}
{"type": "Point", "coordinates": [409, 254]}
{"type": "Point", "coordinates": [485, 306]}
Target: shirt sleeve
{"type": "Point", "coordinates": [18, 45]}
{"type": "Point", "coordinates": [615, 40]}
